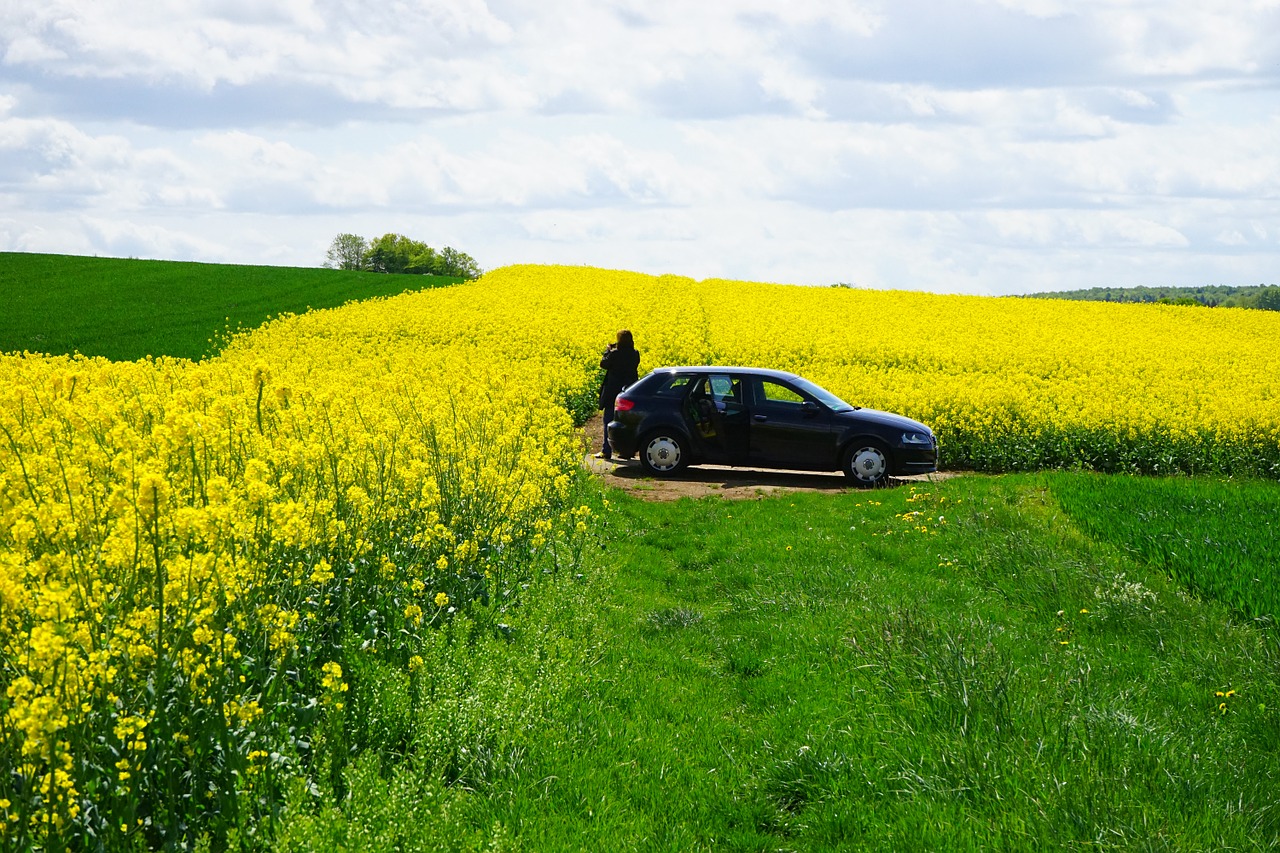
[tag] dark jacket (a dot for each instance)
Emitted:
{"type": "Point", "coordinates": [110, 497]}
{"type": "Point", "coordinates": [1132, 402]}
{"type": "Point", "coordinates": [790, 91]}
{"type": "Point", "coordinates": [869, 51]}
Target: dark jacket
{"type": "Point", "coordinates": [620, 370]}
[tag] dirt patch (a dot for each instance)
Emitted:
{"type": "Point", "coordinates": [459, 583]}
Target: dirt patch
{"type": "Point", "coordinates": [703, 480]}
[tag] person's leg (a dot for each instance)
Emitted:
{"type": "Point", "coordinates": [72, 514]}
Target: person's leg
{"type": "Point", "coordinates": [604, 447]}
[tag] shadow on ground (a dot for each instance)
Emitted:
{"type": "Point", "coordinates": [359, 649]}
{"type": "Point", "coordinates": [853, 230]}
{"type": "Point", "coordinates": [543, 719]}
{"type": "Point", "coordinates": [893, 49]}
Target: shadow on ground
{"type": "Point", "coordinates": [732, 483]}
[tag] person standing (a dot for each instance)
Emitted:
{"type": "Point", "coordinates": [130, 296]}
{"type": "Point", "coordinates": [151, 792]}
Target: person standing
{"type": "Point", "coordinates": [621, 364]}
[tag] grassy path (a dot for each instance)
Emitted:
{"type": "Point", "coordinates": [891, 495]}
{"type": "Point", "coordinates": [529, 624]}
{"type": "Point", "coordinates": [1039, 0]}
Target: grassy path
{"type": "Point", "coordinates": [946, 667]}
{"type": "Point", "coordinates": [816, 672]}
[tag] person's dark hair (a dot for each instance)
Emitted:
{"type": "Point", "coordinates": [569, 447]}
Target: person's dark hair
{"type": "Point", "coordinates": [624, 340]}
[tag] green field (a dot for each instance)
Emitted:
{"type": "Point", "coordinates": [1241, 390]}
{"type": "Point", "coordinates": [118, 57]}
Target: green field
{"type": "Point", "coordinates": [1042, 661]}
{"type": "Point", "coordinates": [129, 309]}
{"type": "Point", "coordinates": [1219, 538]}
{"type": "Point", "coordinates": [954, 666]}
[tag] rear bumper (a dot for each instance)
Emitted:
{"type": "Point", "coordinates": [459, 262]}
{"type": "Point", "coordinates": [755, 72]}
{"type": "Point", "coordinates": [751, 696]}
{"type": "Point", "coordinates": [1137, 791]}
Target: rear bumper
{"type": "Point", "coordinates": [622, 439]}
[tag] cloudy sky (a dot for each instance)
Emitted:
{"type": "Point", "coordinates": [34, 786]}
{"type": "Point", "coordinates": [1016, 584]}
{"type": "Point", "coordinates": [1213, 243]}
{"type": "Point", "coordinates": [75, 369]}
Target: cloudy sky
{"type": "Point", "coordinates": [960, 146]}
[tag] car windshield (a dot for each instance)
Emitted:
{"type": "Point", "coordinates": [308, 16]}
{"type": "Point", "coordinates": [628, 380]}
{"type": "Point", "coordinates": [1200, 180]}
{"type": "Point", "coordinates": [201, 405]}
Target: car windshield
{"type": "Point", "coordinates": [831, 401]}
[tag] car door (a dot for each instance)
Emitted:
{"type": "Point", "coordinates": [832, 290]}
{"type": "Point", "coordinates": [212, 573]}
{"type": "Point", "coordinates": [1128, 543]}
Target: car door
{"type": "Point", "coordinates": [717, 415]}
{"type": "Point", "coordinates": [789, 429]}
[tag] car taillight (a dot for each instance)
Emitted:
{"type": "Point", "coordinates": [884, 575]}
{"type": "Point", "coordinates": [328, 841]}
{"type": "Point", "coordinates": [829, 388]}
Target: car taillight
{"type": "Point", "coordinates": [622, 404]}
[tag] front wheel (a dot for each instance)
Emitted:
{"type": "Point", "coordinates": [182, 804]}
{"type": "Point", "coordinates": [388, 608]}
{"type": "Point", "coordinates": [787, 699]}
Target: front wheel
{"type": "Point", "coordinates": [867, 464]}
{"type": "Point", "coordinates": [663, 453]}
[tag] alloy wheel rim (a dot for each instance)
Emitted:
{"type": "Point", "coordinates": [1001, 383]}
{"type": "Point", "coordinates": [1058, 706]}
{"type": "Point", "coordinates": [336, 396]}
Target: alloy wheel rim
{"type": "Point", "coordinates": [869, 464]}
{"type": "Point", "coordinates": [663, 453]}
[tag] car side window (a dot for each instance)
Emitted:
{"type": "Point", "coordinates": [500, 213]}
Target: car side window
{"type": "Point", "coordinates": [724, 389]}
{"type": "Point", "coordinates": [675, 386]}
{"type": "Point", "coordinates": [723, 393]}
{"type": "Point", "coordinates": [770, 394]}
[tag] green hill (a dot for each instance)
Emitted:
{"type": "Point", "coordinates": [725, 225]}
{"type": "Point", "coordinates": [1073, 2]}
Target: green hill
{"type": "Point", "coordinates": [129, 309]}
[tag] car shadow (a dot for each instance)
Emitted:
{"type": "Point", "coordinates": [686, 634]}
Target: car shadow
{"type": "Point", "coordinates": [723, 478]}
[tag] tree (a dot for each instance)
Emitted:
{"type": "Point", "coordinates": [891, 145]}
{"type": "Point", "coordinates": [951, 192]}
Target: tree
{"type": "Point", "coordinates": [423, 261]}
{"type": "Point", "coordinates": [460, 264]}
{"type": "Point", "coordinates": [392, 253]}
{"type": "Point", "coordinates": [346, 252]}
{"type": "Point", "coordinates": [1269, 298]}
{"type": "Point", "coordinates": [396, 253]}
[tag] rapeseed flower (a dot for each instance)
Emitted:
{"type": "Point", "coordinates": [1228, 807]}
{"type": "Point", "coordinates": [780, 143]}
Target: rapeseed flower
{"type": "Point", "coordinates": [209, 520]}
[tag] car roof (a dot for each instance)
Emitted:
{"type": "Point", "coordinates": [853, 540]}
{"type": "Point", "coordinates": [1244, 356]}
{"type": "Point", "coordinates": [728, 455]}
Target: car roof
{"type": "Point", "coordinates": [722, 368]}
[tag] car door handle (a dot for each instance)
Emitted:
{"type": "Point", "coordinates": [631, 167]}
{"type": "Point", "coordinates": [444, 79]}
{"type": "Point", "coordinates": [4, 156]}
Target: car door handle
{"type": "Point", "coordinates": [760, 418]}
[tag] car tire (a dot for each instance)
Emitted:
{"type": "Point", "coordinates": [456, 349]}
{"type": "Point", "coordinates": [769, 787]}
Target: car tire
{"type": "Point", "coordinates": [664, 452]}
{"type": "Point", "coordinates": [867, 464]}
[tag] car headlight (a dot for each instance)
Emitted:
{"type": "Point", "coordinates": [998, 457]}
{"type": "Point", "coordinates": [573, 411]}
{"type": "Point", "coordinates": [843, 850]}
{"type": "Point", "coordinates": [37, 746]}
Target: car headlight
{"type": "Point", "coordinates": [917, 439]}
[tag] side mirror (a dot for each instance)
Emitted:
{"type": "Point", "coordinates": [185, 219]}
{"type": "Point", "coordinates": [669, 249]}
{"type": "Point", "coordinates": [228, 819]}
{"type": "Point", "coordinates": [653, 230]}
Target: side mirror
{"type": "Point", "coordinates": [808, 408]}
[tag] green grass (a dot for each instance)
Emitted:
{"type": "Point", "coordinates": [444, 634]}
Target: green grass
{"type": "Point", "coordinates": [958, 667]}
{"type": "Point", "coordinates": [1220, 538]}
{"type": "Point", "coordinates": [1056, 661]}
{"type": "Point", "coordinates": [129, 309]}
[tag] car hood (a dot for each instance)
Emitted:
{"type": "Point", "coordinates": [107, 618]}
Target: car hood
{"type": "Point", "coordinates": [888, 419]}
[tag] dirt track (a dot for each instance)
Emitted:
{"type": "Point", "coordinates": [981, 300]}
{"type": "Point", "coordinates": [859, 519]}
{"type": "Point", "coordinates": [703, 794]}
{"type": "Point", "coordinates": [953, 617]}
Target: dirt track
{"type": "Point", "coordinates": [732, 483]}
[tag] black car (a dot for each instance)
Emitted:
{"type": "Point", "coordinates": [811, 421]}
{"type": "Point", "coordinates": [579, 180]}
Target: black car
{"type": "Point", "coordinates": [679, 416]}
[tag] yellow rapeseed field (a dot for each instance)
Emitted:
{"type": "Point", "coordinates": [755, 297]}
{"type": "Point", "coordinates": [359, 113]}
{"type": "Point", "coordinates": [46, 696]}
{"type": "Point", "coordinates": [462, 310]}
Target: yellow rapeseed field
{"type": "Point", "coordinates": [187, 550]}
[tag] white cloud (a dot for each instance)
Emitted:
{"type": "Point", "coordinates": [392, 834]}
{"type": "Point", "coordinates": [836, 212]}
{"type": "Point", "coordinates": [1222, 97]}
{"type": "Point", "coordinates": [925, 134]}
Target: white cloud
{"type": "Point", "coordinates": [1190, 39]}
{"type": "Point", "coordinates": [30, 50]}
{"type": "Point", "coordinates": [986, 145]}
{"type": "Point", "coordinates": [131, 239]}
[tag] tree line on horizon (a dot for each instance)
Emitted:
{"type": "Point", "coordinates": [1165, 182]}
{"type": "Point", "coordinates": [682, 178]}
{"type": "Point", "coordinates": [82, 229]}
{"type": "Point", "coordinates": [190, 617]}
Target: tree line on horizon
{"type": "Point", "coordinates": [396, 253]}
{"type": "Point", "coordinates": [1265, 297]}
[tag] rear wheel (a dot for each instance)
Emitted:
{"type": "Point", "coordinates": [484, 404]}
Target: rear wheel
{"type": "Point", "coordinates": [867, 464]}
{"type": "Point", "coordinates": [663, 453]}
